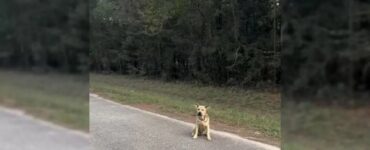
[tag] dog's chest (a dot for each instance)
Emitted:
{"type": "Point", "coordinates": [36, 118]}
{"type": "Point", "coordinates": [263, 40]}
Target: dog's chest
{"type": "Point", "coordinates": [202, 127]}
{"type": "Point", "coordinates": [203, 122]}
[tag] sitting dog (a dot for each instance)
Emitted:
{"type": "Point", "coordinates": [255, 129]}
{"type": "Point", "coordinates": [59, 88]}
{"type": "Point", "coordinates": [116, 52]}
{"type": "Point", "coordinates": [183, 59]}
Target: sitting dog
{"type": "Point", "coordinates": [202, 122]}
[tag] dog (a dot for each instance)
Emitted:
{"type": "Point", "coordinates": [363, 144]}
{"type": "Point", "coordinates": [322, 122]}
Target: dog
{"type": "Point", "coordinates": [202, 126]}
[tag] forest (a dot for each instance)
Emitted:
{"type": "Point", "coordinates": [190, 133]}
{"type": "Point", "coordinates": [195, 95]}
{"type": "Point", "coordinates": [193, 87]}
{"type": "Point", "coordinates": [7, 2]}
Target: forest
{"type": "Point", "coordinates": [317, 49]}
{"type": "Point", "coordinates": [326, 50]}
{"type": "Point", "coordinates": [44, 36]}
{"type": "Point", "coordinates": [214, 42]}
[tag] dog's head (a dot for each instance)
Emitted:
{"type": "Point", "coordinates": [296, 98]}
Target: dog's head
{"type": "Point", "coordinates": [201, 110]}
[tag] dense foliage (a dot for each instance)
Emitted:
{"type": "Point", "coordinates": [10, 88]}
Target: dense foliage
{"type": "Point", "coordinates": [326, 46]}
{"type": "Point", "coordinates": [48, 35]}
{"type": "Point", "coordinates": [234, 42]}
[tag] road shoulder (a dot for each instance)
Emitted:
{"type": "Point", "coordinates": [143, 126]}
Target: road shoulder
{"type": "Point", "coordinates": [219, 133]}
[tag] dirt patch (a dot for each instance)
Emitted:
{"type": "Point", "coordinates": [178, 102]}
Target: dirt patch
{"type": "Point", "coordinates": [8, 102]}
{"type": "Point", "coordinates": [217, 125]}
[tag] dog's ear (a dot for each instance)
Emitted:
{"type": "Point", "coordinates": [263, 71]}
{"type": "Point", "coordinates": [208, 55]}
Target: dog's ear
{"type": "Point", "coordinates": [196, 105]}
{"type": "Point", "coordinates": [208, 107]}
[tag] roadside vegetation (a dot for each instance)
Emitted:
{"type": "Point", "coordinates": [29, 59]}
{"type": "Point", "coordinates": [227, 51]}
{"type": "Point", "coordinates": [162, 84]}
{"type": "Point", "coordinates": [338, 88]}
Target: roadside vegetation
{"type": "Point", "coordinates": [250, 113]}
{"type": "Point", "coordinates": [233, 43]}
{"type": "Point", "coordinates": [328, 127]}
{"type": "Point", "coordinates": [59, 98]}
{"type": "Point", "coordinates": [326, 75]}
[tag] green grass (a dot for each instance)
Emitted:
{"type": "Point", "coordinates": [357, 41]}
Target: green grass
{"type": "Point", "coordinates": [251, 110]}
{"type": "Point", "coordinates": [59, 98]}
{"type": "Point", "coordinates": [309, 127]}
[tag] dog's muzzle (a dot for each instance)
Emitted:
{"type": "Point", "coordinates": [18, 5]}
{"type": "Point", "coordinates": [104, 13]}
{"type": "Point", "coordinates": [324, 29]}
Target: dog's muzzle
{"type": "Point", "coordinates": [199, 114]}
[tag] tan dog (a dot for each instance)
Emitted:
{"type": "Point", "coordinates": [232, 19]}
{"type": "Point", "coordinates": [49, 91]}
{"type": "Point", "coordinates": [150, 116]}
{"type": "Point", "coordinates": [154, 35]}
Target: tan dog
{"type": "Point", "coordinates": [202, 122]}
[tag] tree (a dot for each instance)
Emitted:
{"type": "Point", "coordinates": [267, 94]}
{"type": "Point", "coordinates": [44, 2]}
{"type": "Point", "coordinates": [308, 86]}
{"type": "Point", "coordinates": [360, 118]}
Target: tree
{"type": "Point", "coordinates": [211, 41]}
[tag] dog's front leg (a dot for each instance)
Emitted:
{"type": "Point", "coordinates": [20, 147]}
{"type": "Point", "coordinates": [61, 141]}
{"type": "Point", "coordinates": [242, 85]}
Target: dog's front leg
{"type": "Point", "coordinates": [208, 133]}
{"type": "Point", "coordinates": [195, 132]}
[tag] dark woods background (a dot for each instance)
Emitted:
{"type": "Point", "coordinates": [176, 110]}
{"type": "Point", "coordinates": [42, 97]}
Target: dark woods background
{"type": "Point", "coordinates": [326, 50]}
{"type": "Point", "coordinates": [325, 74]}
{"type": "Point", "coordinates": [213, 41]}
{"type": "Point", "coordinates": [44, 35]}
{"type": "Point", "coordinates": [218, 42]}
{"type": "Point", "coordinates": [236, 42]}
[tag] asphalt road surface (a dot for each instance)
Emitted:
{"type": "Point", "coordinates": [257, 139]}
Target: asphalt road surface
{"type": "Point", "coordinates": [21, 132]}
{"type": "Point", "coordinates": [120, 127]}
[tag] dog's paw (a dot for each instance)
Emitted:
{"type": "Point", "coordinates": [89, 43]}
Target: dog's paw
{"type": "Point", "coordinates": [194, 137]}
{"type": "Point", "coordinates": [209, 138]}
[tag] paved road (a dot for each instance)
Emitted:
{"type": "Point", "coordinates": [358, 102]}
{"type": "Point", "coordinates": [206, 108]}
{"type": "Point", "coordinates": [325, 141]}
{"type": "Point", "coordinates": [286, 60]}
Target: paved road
{"type": "Point", "coordinates": [21, 132]}
{"type": "Point", "coordinates": [120, 127]}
